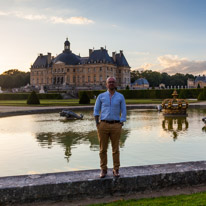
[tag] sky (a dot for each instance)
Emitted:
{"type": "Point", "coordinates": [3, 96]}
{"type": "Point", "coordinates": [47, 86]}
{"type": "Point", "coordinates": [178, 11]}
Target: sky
{"type": "Point", "coordinates": [159, 35]}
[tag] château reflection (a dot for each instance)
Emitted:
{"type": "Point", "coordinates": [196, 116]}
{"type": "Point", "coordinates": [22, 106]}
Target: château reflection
{"type": "Point", "coordinates": [71, 139]}
{"type": "Point", "coordinates": [175, 125]}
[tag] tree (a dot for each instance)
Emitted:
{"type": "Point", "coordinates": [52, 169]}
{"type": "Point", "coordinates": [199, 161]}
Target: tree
{"type": "Point", "coordinates": [84, 99]}
{"type": "Point", "coordinates": [127, 87]}
{"type": "Point", "coordinates": [14, 78]}
{"type": "Point", "coordinates": [33, 98]}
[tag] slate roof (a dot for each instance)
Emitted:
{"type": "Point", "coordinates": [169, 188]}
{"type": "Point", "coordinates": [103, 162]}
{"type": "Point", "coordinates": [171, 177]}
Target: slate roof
{"type": "Point", "coordinates": [200, 78]}
{"type": "Point", "coordinates": [68, 58]}
{"type": "Point", "coordinates": [97, 56]}
{"type": "Point", "coordinates": [101, 55]}
{"type": "Point", "coordinates": [140, 81]}
{"type": "Point", "coordinates": [41, 61]}
{"type": "Point", "coordinates": [121, 60]}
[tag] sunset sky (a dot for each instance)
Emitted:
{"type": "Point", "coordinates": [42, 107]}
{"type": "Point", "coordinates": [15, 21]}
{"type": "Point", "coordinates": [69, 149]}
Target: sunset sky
{"type": "Point", "coordinates": [162, 35]}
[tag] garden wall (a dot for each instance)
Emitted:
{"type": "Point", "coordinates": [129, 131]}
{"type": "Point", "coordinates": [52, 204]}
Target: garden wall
{"type": "Point", "coordinates": [87, 184]}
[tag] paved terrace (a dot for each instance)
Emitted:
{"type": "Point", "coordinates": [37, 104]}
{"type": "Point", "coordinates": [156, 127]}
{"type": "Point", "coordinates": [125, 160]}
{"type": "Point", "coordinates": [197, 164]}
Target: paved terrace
{"type": "Point", "coordinates": [18, 110]}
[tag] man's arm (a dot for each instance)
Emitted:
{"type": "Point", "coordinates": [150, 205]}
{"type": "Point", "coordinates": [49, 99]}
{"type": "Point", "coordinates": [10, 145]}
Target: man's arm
{"type": "Point", "coordinates": [97, 108]}
{"type": "Point", "coordinates": [123, 110]}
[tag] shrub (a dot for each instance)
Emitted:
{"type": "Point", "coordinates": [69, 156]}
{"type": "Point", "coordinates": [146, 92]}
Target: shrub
{"type": "Point", "coordinates": [127, 87]}
{"type": "Point", "coordinates": [33, 98]}
{"type": "Point", "coordinates": [84, 99]}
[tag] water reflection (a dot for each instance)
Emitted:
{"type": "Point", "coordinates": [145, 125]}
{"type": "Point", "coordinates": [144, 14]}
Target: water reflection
{"type": "Point", "coordinates": [71, 139]}
{"type": "Point", "coordinates": [204, 129]}
{"type": "Point", "coordinates": [175, 125]}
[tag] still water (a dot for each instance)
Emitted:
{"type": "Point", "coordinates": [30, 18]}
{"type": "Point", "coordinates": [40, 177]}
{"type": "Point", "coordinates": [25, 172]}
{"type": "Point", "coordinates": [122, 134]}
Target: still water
{"type": "Point", "coordinates": [46, 143]}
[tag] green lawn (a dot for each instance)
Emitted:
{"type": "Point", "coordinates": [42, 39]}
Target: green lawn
{"type": "Point", "coordinates": [74, 102]}
{"type": "Point", "coordinates": [183, 200]}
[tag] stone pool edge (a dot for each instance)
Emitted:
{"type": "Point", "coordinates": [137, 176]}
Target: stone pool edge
{"type": "Point", "coordinates": [15, 111]}
{"type": "Point", "coordinates": [80, 185]}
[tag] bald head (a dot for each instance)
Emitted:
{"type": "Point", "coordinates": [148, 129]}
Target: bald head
{"type": "Point", "coordinates": [111, 78]}
{"type": "Point", "coordinates": [111, 84]}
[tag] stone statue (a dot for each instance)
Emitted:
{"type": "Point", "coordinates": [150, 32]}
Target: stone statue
{"type": "Point", "coordinates": [1, 90]}
{"type": "Point", "coordinates": [41, 91]}
{"type": "Point", "coordinates": [70, 115]}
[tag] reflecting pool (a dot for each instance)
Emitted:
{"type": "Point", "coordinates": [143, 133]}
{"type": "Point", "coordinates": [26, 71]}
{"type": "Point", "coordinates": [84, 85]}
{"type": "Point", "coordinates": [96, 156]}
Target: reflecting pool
{"type": "Point", "coordinates": [45, 143]}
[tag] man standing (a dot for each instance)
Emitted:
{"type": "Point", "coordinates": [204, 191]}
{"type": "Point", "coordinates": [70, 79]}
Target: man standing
{"type": "Point", "coordinates": [110, 104]}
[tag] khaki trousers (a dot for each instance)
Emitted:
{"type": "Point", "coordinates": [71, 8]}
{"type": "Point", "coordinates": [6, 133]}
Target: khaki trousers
{"type": "Point", "coordinates": [105, 132]}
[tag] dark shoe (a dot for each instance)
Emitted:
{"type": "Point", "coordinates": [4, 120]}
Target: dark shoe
{"type": "Point", "coordinates": [116, 173]}
{"type": "Point", "coordinates": [103, 173]}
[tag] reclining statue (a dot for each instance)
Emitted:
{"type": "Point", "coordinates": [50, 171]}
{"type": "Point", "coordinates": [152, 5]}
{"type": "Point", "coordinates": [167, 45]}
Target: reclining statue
{"type": "Point", "coordinates": [70, 115]}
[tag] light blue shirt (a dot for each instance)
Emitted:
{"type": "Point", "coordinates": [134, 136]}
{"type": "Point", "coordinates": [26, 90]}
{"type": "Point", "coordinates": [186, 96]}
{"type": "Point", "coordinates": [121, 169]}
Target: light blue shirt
{"type": "Point", "coordinates": [110, 108]}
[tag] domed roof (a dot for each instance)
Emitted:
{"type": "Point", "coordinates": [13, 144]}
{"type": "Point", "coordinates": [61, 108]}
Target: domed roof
{"type": "Point", "coordinates": [200, 78]}
{"type": "Point", "coordinates": [68, 58]}
{"type": "Point", "coordinates": [141, 81]}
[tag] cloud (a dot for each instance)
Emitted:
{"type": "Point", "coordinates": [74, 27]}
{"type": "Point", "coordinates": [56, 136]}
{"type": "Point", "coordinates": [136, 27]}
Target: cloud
{"type": "Point", "coordinates": [52, 19]}
{"type": "Point", "coordinates": [2, 13]}
{"type": "Point", "coordinates": [29, 16]}
{"type": "Point", "coordinates": [173, 64]}
{"type": "Point", "coordinates": [71, 20]}
{"type": "Point", "coordinates": [146, 66]}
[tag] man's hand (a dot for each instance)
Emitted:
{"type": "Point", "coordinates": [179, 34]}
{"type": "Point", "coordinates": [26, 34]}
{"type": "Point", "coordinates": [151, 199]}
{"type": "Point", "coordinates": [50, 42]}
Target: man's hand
{"type": "Point", "coordinates": [97, 120]}
{"type": "Point", "coordinates": [122, 123]}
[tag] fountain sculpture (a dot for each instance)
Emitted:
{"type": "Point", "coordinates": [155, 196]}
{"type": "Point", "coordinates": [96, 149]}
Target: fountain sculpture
{"type": "Point", "coordinates": [174, 106]}
{"type": "Point", "coordinates": [70, 115]}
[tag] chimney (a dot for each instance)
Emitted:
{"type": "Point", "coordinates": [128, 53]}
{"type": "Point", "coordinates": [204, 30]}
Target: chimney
{"type": "Point", "coordinates": [114, 56]}
{"type": "Point", "coordinates": [41, 55]}
{"type": "Point", "coordinates": [121, 52]}
{"type": "Point", "coordinates": [48, 58]}
{"type": "Point", "coordinates": [90, 52]}
{"type": "Point", "coordinates": [102, 48]}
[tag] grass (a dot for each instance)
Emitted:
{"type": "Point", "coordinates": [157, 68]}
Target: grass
{"type": "Point", "coordinates": [183, 200]}
{"type": "Point", "coordinates": [75, 102]}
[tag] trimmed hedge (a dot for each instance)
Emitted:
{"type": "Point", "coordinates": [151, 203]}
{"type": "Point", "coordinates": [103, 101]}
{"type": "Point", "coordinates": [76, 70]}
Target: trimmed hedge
{"type": "Point", "coordinates": [202, 95]}
{"type": "Point", "coordinates": [24, 96]}
{"type": "Point", "coordinates": [150, 94]}
{"type": "Point", "coordinates": [33, 98]}
{"type": "Point", "coordinates": [84, 98]}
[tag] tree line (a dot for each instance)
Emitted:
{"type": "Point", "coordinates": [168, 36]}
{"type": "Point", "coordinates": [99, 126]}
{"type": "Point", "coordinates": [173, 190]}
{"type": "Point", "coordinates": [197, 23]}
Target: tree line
{"type": "Point", "coordinates": [14, 78]}
{"type": "Point", "coordinates": [155, 78]}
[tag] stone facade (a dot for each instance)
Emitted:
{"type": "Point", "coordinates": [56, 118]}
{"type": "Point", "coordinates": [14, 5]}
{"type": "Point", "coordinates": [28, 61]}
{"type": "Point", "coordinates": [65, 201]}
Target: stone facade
{"type": "Point", "coordinates": [70, 71]}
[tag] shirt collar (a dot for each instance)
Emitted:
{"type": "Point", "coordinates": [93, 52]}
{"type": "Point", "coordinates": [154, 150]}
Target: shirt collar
{"type": "Point", "coordinates": [109, 92]}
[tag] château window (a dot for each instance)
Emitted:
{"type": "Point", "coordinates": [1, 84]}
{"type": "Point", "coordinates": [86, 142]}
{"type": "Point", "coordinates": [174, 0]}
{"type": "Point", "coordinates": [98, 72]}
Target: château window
{"type": "Point", "coordinates": [100, 69]}
{"type": "Point", "coordinates": [67, 70]}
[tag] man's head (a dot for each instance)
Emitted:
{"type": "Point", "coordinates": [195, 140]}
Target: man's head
{"type": "Point", "coordinates": [111, 83]}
